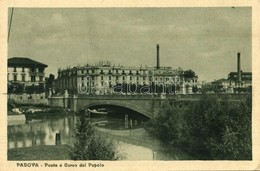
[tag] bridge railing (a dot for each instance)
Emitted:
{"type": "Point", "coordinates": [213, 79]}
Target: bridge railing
{"type": "Point", "coordinates": [166, 96]}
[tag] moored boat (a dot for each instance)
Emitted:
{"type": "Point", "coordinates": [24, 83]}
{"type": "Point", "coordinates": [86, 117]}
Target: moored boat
{"type": "Point", "coordinates": [101, 111]}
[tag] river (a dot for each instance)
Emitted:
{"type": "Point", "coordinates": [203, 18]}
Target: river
{"type": "Point", "coordinates": [133, 144]}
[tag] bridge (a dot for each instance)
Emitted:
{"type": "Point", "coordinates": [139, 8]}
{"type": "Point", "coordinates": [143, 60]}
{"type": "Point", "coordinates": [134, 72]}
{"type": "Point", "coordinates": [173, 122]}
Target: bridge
{"type": "Point", "coordinates": [143, 104]}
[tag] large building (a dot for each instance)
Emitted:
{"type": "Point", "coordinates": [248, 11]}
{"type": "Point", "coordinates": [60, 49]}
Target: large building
{"type": "Point", "coordinates": [104, 78]}
{"type": "Point", "coordinates": [24, 72]}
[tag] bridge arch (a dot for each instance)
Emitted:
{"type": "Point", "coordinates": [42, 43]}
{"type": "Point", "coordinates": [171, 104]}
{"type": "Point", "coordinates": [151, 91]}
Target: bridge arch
{"type": "Point", "coordinates": [132, 107]}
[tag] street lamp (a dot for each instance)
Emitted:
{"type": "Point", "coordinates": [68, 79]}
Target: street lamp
{"type": "Point", "coordinates": [175, 84]}
{"type": "Point", "coordinates": [88, 83]}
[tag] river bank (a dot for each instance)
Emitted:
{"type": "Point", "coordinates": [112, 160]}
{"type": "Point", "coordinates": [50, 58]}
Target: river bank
{"type": "Point", "coordinates": [42, 152]}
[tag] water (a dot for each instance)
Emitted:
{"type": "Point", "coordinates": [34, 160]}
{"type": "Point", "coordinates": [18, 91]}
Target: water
{"type": "Point", "coordinates": [133, 144]}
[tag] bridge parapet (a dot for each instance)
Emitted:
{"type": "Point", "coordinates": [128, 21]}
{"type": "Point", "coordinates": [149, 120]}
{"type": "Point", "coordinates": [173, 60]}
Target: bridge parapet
{"type": "Point", "coordinates": [145, 104]}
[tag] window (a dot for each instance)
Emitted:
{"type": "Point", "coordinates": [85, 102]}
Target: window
{"type": "Point", "coordinates": [41, 78]}
{"type": "Point", "coordinates": [82, 71]}
{"type": "Point", "coordinates": [93, 71]}
{"type": "Point", "coordinates": [32, 78]}
{"type": "Point", "coordinates": [82, 78]}
{"type": "Point", "coordinates": [23, 69]}
{"type": "Point", "coordinates": [123, 77]}
{"type": "Point", "coordinates": [102, 78]}
{"type": "Point", "coordinates": [41, 70]}
{"type": "Point", "coordinates": [15, 77]}
{"type": "Point", "coordinates": [23, 77]}
{"type": "Point", "coordinates": [144, 78]}
{"type": "Point", "coordinates": [109, 77]}
{"type": "Point", "coordinates": [117, 78]}
{"type": "Point", "coordinates": [117, 71]}
{"type": "Point", "coordinates": [137, 78]}
{"type": "Point", "coordinates": [14, 69]}
{"type": "Point", "coordinates": [130, 78]}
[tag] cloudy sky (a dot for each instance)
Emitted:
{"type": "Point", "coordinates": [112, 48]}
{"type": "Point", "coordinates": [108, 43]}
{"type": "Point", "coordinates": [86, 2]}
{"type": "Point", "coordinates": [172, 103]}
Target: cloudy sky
{"type": "Point", "coordinates": [205, 40]}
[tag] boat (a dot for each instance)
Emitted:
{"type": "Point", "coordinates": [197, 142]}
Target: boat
{"type": "Point", "coordinates": [101, 111]}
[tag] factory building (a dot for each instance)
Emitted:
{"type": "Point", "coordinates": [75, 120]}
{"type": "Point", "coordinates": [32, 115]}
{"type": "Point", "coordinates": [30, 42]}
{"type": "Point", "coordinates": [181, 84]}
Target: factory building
{"type": "Point", "coordinates": [238, 81]}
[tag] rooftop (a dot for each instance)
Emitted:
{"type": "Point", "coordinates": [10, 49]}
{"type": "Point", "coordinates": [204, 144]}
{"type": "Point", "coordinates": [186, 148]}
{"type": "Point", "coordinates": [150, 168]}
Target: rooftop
{"type": "Point", "coordinates": [23, 61]}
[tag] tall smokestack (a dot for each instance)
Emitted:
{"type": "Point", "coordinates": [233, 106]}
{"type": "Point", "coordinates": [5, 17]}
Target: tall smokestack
{"type": "Point", "coordinates": [158, 56]}
{"type": "Point", "coordinates": [238, 68]}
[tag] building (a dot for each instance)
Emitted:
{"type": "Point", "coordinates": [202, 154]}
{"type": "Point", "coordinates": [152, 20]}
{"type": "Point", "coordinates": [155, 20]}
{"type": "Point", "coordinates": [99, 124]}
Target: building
{"type": "Point", "coordinates": [236, 82]}
{"type": "Point", "coordinates": [103, 77]}
{"type": "Point", "coordinates": [231, 84]}
{"type": "Point", "coordinates": [245, 80]}
{"type": "Point", "coordinates": [23, 73]}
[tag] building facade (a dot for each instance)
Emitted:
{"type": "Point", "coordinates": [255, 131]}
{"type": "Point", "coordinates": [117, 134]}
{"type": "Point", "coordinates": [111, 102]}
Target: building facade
{"type": "Point", "coordinates": [25, 72]}
{"type": "Point", "coordinates": [245, 80]}
{"type": "Point", "coordinates": [232, 84]}
{"type": "Point", "coordinates": [105, 78]}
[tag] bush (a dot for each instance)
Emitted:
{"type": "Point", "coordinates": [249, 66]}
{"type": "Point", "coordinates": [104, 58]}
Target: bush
{"type": "Point", "coordinates": [209, 128]}
{"type": "Point", "coordinates": [221, 129]}
{"type": "Point", "coordinates": [90, 145]}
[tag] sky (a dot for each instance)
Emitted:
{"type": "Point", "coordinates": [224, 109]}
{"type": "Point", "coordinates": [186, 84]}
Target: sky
{"type": "Point", "coordinates": [205, 40]}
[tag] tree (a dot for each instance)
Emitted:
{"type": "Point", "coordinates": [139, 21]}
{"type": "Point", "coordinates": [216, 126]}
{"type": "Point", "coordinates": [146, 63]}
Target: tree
{"type": "Point", "coordinates": [91, 146]}
{"type": "Point", "coordinates": [220, 129]}
{"type": "Point", "coordinates": [30, 89]}
{"type": "Point", "coordinates": [10, 89]}
{"type": "Point", "coordinates": [19, 89]}
{"type": "Point", "coordinates": [40, 88]}
{"type": "Point", "coordinates": [49, 83]}
{"type": "Point", "coordinates": [210, 128]}
{"type": "Point", "coordinates": [189, 74]}
{"type": "Point", "coordinates": [50, 80]}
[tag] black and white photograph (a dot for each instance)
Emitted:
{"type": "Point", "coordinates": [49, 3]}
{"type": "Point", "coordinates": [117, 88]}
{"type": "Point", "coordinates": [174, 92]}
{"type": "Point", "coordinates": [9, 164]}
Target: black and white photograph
{"type": "Point", "coordinates": [128, 84]}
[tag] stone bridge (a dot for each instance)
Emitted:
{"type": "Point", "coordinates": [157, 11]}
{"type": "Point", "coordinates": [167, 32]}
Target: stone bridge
{"type": "Point", "coordinates": [144, 104]}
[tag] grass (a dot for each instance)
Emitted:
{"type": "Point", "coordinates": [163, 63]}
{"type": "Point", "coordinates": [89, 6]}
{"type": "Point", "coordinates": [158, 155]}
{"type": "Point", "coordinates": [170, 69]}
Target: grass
{"type": "Point", "coordinates": [43, 152]}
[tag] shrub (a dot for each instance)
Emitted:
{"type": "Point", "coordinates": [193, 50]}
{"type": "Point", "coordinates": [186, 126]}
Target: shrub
{"type": "Point", "coordinates": [210, 128]}
{"type": "Point", "coordinates": [92, 146]}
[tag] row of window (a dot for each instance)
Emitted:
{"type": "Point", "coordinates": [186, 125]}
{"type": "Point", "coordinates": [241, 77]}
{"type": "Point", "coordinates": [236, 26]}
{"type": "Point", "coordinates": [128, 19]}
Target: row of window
{"type": "Point", "coordinates": [41, 70]}
{"type": "Point", "coordinates": [101, 72]}
{"type": "Point", "coordinates": [110, 78]}
{"type": "Point", "coordinates": [124, 78]}
{"type": "Point", "coordinates": [33, 79]}
{"type": "Point", "coordinates": [73, 81]}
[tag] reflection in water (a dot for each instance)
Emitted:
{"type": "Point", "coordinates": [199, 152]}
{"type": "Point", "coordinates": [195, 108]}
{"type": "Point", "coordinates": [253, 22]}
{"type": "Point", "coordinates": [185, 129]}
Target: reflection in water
{"type": "Point", "coordinates": [40, 132]}
{"type": "Point", "coordinates": [135, 144]}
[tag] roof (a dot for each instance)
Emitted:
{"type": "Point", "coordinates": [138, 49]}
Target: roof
{"type": "Point", "coordinates": [243, 73]}
{"type": "Point", "coordinates": [220, 80]}
{"type": "Point", "coordinates": [23, 61]}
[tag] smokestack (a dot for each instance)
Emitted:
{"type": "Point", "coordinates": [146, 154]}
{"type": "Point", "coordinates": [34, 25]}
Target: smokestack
{"type": "Point", "coordinates": [158, 56]}
{"type": "Point", "coordinates": [238, 68]}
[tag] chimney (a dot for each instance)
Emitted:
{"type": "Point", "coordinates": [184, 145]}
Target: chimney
{"type": "Point", "coordinates": [158, 56]}
{"type": "Point", "coordinates": [238, 68]}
